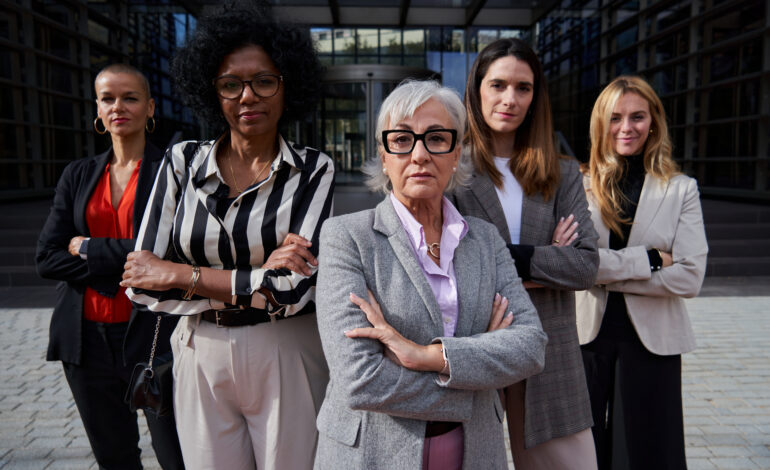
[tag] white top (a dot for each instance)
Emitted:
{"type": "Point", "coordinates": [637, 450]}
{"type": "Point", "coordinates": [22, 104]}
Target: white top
{"type": "Point", "coordinates": [511, 198]}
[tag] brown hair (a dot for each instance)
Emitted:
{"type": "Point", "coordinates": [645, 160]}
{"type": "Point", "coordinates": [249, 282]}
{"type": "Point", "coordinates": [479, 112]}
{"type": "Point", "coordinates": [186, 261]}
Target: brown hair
{"type": "Point", "coordinates": [535, 163]}
{"type": "Point", "coordinates": [606, 167]}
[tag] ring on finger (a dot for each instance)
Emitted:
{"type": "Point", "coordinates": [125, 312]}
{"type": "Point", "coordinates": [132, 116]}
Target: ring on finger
{"type": "Point", "coordinates": [555, 242]}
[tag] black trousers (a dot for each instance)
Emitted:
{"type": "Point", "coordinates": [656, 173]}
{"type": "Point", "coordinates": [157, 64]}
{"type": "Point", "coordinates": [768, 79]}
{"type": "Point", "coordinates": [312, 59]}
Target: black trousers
{"type": "Point", "coordinates": [99, 386]}
{"type": "Point", "coordinates": [636, 400]}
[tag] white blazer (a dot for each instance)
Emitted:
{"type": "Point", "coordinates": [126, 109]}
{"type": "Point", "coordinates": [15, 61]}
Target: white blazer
{"type": "Point", "coordinates": [668, 218]}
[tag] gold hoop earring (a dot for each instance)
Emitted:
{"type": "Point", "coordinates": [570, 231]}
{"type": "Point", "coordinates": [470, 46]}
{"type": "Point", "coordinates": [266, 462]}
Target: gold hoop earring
{"type": "Point", "coordinates": [146, 124]}
{"type": "Point", "coordinates": [96, 128]}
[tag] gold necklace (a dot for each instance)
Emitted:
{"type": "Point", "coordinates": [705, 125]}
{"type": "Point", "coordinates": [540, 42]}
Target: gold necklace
{"type": "Point", "coordinates": [232, 173]}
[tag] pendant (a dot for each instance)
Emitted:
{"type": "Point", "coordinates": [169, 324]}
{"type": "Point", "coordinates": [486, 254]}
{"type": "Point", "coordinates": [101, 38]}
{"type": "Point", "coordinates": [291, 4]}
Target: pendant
{"type": "Point", "coordinates": [434, 246]}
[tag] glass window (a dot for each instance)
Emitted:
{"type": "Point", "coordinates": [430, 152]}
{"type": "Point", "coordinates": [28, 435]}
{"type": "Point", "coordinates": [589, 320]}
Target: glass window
{"type": "Point", "coordinates": [6, 102]}
{"type": "Point", "coordinates": [366, 41]}
{"type": "Point", "coordinates": [721, 102]}
{"type": "Point", "coordinates": [626, 10]}
{"type": "Point", "coordinates": [744, 18]}
{"type": "Point", "coordinates": [749, 103]}
{"type": "Point", "coordinates": [344, 41]}
{"type": "Point", "coordinates": [674, 13]}
{"type": "Point", "coordinates": [484, 37]}
{"type": "Point", "coordinates": [390, 42]}
{"type": "Point", "coordinates": [721, 65]}
{"type": "Point", "coordinates": [747, 139]}
{"type": "Point", "coordinates": [7, 58]}
{"type": "Point", "coordinates": [720, 140]}
{"type": "Point", "coordinates": [751, 56]}
{"type": "Point", "coordinates": [625, 64]}
{"type": "Point", "coordinates": [97, 32]}
{"type": "Point", "coordinates": [414, 42]}
{"type": "Point", "coordinates": [8, 25]}
{"type": "Point", "coordinates": [626, 38]}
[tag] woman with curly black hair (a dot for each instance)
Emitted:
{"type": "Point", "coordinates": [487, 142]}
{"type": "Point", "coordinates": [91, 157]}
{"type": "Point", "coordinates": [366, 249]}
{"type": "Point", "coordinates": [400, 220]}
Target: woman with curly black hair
{"type": "Point", "coordinates": [229, 240]}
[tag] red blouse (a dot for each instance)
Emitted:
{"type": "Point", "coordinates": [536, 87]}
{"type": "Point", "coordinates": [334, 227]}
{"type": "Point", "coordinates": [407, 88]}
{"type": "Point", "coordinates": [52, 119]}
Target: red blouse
{"type": "Point", "coordinates": [105, 221]}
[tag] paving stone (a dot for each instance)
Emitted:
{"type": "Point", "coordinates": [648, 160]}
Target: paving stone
{"type": "Point", "coordinates": [700, 464]}
{"type": "Point", "coordinates": [28, 464]}
{"type": "Point", "coordinates": [71, 463]}
{"type": "Point", "coordinates": [738, 463]}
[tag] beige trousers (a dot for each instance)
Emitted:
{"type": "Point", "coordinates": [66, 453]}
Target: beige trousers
{"type": "Point", "coordinates": [573, 452]}
{"type": "Point", "coordinates": [247, 397]}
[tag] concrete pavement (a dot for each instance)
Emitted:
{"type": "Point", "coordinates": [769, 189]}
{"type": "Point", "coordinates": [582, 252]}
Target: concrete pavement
{"type": "Point", "coordinates": [726, 384]}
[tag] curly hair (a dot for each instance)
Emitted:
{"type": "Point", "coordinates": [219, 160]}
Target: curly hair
{"type": "Point", "coordinates": [290, 47]}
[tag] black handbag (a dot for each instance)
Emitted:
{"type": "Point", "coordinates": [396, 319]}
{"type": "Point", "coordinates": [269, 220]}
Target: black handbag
{"type": "Point", "coordinates": [151, 388]}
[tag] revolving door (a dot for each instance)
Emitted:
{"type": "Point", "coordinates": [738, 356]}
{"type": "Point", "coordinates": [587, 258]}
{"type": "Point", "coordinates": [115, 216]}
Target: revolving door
{"type": "Point", "coordinates": [352, 96]}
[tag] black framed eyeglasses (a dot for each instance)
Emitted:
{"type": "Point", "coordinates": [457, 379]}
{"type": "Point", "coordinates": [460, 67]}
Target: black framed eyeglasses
{"type": "Point", "coordinates": [263, 85]}
{"type": "Point", "coordinates": [436, 141]}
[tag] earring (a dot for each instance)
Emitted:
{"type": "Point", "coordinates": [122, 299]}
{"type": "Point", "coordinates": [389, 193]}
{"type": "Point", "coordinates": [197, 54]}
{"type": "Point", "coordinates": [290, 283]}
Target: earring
{"type": "Point", "coordinates": [96, 128]}
{"type": "Point", "coordinates": [384, 171]}
{"type": "Point", "coordinates": [454, 169]}
{"type": "Point", "coordinates": [651, 131]}
{"type": "Point", "coordinates": [150, 131]}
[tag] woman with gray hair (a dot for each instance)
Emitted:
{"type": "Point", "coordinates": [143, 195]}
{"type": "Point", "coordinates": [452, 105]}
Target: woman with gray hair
{"type": "Point", "coordinates": [419, 324]}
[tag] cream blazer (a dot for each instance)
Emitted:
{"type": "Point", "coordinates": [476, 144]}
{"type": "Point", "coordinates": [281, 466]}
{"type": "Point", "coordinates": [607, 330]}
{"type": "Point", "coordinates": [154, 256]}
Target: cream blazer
{"type": "Point", "coordinates": [668, 218]}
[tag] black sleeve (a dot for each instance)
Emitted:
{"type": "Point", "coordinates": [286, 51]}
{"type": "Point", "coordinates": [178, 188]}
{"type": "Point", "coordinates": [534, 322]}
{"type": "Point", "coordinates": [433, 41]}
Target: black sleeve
{"type": "Point", "coordinates": [522, 256]}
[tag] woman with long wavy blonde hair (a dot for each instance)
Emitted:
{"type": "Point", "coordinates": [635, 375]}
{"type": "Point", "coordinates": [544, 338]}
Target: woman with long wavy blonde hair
{"type": "Point", "coordinates": [633, 323]}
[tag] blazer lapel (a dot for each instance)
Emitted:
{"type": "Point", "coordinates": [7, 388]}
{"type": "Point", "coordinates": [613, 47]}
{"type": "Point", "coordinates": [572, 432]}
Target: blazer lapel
{"type": "Point", "coordinates": [650, 200]}
{"type": "Point", "coordinates": [386, 221]}
{"type": "Point", "coordinates": [466, 263]}
{"type": "Point", "coordinates": [484, 191]}
{"type": "Point", "coordinates": [96, 170]}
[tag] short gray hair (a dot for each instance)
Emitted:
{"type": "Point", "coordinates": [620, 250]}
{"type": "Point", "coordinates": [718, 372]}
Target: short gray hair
{"type": "Point", "coordinates": [401, 104]}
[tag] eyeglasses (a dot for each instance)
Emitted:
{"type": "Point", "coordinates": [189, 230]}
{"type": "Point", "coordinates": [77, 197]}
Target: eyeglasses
{"type": "Point", "coordinates": [264, 85]}
{"type": "Point", "coordinates": [436, 141]}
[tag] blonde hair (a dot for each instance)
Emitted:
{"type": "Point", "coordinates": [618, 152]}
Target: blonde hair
{"type": "Point", "coordinates": [606, 167]}
{"type": "Point", "coordinates": [535, 163]}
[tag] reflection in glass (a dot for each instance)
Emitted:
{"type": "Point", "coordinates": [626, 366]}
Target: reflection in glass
{"type": "Point", "coordinates": [366, 41]}
{"type": "Point", "coordinates": [390, 42]}
{"type": "Point", "coordinates": [344, 124]}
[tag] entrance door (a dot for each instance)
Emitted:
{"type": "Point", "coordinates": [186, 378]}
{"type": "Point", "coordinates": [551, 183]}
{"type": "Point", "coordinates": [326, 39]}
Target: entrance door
{"type": "Point", "coordinates": [352, 96]}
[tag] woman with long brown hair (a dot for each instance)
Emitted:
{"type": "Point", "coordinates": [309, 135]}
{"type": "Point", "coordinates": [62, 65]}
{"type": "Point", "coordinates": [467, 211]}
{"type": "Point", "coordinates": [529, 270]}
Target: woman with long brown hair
{"type": "Point", "coordinates": [633, 323]}
{"type": "Point", "coordinates": [536, 200]}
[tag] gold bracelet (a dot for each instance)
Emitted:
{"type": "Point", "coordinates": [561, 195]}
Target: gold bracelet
{"type": "Point", "coordinates": [196, 274]}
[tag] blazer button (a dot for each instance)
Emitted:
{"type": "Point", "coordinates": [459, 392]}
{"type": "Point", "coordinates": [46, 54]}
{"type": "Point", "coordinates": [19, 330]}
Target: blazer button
{"type": "Point", "coordinates": [248, 290]}
{"type": "Point", "coordinates": [447, 320]}
{"type": "Point", "coordinates": [236, 204]}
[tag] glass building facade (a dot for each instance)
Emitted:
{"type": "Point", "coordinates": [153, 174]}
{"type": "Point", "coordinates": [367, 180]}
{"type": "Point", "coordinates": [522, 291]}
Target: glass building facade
{"type": "Point", "coordinates": [708, 60]}
{"type": "Point", "coordinates": [50, 52]}
{"type": "Point", "coordinates": [446, 50]}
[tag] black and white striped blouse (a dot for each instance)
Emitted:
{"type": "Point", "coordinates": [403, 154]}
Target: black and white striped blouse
{"type": "Point", "coordinates": [190, 217]}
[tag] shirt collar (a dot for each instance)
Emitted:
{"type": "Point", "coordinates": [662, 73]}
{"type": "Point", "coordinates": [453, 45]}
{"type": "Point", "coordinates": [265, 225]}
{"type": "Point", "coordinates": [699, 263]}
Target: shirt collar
{"type": "Point", "coordinates": [208, 166]}
{"type": "Point", "coordinates": [454, 225]}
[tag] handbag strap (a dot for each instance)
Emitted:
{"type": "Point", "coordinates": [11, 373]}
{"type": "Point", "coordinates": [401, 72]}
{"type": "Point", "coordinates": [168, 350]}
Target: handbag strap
{"type": "Point", "coordinates": [154, 343]}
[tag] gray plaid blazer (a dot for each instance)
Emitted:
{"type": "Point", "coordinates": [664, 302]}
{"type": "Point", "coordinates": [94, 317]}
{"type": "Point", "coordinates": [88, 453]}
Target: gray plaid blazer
{"type": "Point", "coordinates": [375, 411]}
{"type": "Point", "coordinates": [556, 401]}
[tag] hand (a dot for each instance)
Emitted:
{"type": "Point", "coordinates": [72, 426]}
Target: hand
{"type": "Point", "coordinates": [499, 320]}
{"type": "Point", "coordinates": [398, 349]}
{"type": "Point", "coordinates": [74, 245]}
{"type": "Point", "coordinates": [293, 254]}
{"type": "Point", "coordinates": [565, 232]}
{"type": "Point", "coordinates": [143, 269]}
{"type": "Point", "coordinates": [666, 258]}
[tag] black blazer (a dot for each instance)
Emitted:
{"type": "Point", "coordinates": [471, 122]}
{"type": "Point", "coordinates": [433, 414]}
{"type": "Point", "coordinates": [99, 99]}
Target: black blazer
{"type": "Point", "coordinates": [102, 270]}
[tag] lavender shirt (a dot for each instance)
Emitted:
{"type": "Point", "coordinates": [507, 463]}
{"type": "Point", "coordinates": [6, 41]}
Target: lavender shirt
{"type": "Point", "coordinates": [442, 278]}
